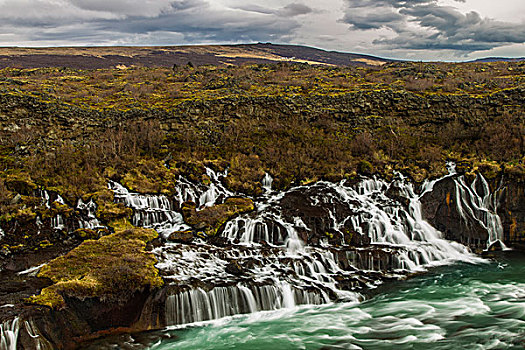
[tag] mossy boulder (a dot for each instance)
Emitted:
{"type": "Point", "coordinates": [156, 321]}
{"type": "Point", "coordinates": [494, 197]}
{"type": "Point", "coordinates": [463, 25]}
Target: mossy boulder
{"type": "Point", "coordinates": [185, 237]}
{"type": "Point", "coordinates": [85, 234]}
{"type": "Point", "coordinates": [20, 183]}
{"type": "Point", "coordinates": [111, 269]}
{"type": "Point", "coordinates": [210, 219]}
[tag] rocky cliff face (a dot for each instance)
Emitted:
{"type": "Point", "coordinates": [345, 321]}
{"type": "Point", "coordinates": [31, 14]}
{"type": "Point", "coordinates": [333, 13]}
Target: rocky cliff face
{"type": "Point", "coordinates": [512, 213]}
{"type": "Point", "coordinates": [443, 209]}
{"type": "Point", "coordinates": [476, 213]}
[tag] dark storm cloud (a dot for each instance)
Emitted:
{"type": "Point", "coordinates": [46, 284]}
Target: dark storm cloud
{"type": "Point", "coordinates": [295, 9]}
{"type": "Point", "coordinates": [425, 24]}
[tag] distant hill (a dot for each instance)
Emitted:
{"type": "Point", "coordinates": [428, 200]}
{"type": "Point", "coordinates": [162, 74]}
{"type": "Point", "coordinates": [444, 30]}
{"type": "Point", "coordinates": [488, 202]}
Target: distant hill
{"type": "Point", "coordinates": [498, 59]}
{"type": "Point", "coordinates": [167, 56]}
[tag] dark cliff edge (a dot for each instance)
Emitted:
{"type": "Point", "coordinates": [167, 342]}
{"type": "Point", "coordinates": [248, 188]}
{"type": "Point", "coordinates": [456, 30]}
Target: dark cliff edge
{"type": "Point", "coordinates": [444, 208]}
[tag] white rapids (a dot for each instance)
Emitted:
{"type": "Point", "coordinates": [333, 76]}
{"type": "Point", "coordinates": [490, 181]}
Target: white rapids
{"type": "Point", "coordinates": [278, 269]}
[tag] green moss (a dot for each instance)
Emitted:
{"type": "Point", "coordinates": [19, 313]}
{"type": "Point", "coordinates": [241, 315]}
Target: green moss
{"type": "Point", "coordinates": [84, 234]}
{"type": "Point", "coordinates": [20, 182]}
{"type": "Point", "coordinates": [110, 268]}
{"type": "Point", "coordinates": [365, 167]}
{"type": "Point", "coordinates": [150, 176]}
{"type": "Point", "coordinates": [210, 219]}
{"type": "Point", "coordinates": [489, 169]}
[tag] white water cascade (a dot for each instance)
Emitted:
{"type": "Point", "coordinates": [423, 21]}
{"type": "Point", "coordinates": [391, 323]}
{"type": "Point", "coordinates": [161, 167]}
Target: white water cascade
{"type": "Point", "coordinates": [267, 182]}
{"type": "Point", "coordinates": [214, 190]}
{"type": "Point", "coordinates": [150, 211]}
{"type": "Point", "coordinates": [9, 334]}
{"type": "Point", "coordinates": [476, 202]}
{"type": "Point", "coordinates": [89, 210]}
{"type": "Point", "coordinates": [197, 305]}
{"type": "Point", "coordinates": [375, 215]}
{"type": "Point", "coordinates": [271, 261]}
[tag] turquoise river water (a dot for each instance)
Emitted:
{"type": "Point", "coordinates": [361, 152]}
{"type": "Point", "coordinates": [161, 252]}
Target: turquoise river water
{"type": "Point", "coordinates": [460, 306]}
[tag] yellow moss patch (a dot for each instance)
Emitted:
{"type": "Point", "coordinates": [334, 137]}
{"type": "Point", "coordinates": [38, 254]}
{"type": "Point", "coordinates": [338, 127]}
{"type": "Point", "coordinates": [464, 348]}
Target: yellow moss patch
{"type": "Point", "coordinates": [109, 268]}
{"type": "Point", "coordinates": [210, 219]}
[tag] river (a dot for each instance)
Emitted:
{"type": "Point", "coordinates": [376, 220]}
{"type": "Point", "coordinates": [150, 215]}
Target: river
{"type": "Point", "coordinates": [459, 306]}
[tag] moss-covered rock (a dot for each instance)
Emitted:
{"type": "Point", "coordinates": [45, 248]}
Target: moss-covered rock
{"type": "Point", "coordinates": [185, 237]}
{"type": "Point", "coordinates": [85, 234]}
{"type": "Point", "coordinates": [20, 183]}
{"type": "Point", "coordinates": [111, 268]}
{"type": "Point", "coordinates": [210, 219]}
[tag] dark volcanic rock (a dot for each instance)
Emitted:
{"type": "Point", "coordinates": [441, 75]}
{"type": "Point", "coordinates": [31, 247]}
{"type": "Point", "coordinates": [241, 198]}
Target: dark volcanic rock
{"type": "Point", "coordinates": [234, 268]}
{"type": "Point", "coordinates": [441, 210]}
{"type": "Point", "coordinates": [512, 212]}
{"type": "Point", "coordinates": [309, 205]}
{"type": "Point", "coordinates": [185, 237]}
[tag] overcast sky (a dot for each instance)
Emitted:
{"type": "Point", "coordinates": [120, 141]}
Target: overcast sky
{"type": "Point", "coordinates": [409, 29]}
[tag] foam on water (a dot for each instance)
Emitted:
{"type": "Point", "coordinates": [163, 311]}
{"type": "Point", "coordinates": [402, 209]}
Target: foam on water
{"type": "Point", "coordinates": [462, 306]}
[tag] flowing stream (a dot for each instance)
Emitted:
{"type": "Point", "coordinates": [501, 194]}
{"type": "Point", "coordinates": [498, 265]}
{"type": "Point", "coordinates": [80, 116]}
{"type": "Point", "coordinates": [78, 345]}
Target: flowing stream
{"type": "Point", "coordinates": [458, 306]}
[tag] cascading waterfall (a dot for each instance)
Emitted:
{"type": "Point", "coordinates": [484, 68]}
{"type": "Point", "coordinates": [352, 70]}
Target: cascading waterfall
{"type": "Point", "coordinates": [375, 215]}
{"type": "Point", "coordinates": [267, 182]}
{"type": "Point", "coordinates": [57, 222]}
{"type": "Point", "coordinates": [89, 210]}
{"type": "Point", "coordinates": [149, 211]}
{"type": "Point", "coordinates": [215, 189]}
{"type": "Point", "coordinates": [9, 334]}
{"type": "Point", "coordinates": [268, 264]}
{"type": "Point", "coordinates": [197, 305]}
{"type": "Point", "coordinates": [476, 202]}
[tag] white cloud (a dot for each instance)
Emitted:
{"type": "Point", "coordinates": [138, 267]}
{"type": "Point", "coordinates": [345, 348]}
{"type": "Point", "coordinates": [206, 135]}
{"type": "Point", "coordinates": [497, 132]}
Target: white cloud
{"type": "Point", "coordinates": [418, 29]}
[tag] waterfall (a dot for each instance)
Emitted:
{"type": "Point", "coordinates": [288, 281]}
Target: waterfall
{"type": "Point", "coordinates": [375, 215]}
{"type": "Point", "coordinates": [150, 211]}
{"type": "Point", "coordinates": [476, 202]}
{"type": "Point", "coordinates": [57, 222]}
{"type": "Point", "coordinates": [215, 189]}
{"type": "Point", "coordinates": [283, 255]}
{"type": "Point", "coordinates": [267, 182]}
{"type": "Point", "coordinates": [89, 219]}
{"type": "Point", "coordinates": [9, 334]}
{"type": "Point", "coordinates": [197, 305]}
